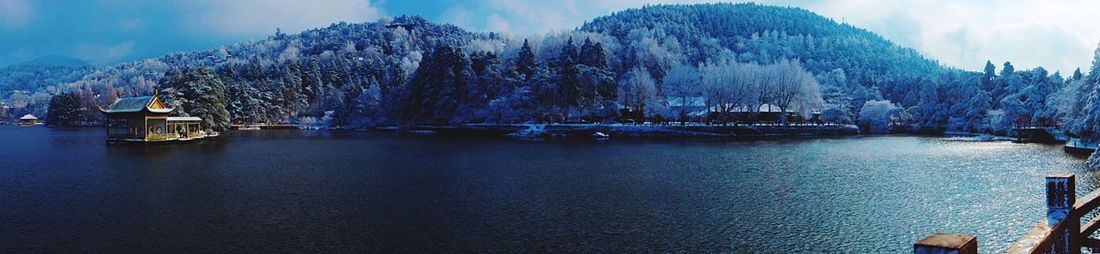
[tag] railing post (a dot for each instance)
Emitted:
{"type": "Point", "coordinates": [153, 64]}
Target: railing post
{"type": "Point", "coordinates": [947, 243]}
{"type": "Point", "coordinates": [1061, 194]}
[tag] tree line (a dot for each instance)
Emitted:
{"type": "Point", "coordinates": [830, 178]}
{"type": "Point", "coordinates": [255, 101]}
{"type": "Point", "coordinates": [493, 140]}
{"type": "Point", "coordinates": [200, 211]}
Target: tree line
{"type": "Point", "coordinates": [632, 66]}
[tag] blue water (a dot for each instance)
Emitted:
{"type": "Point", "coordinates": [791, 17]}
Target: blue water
{"type": "Point", "coordinates": [316, 191]}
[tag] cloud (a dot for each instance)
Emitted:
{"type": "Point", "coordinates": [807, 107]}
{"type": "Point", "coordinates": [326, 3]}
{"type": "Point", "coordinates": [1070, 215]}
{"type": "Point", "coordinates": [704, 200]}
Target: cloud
{"type": "Point", "coordinates": [498, 24]}
{"type": "Point", "coordinates": [253, 17]}
{"type": "Point", "coordinates": [1058, 35]}
{"type": "Point", "coordinates": [21, 54]}
{"type": "Point", "coordinates": [130, 24]}
{"type": "Point", "coordinates": [15, 14]}
{"type": "Point", "coordinates": [459, 16]}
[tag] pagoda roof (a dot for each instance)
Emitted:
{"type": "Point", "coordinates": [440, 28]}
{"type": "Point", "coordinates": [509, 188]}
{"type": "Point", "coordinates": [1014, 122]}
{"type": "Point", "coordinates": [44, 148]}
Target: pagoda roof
{"type": "Point", "coordinates": [135, 104]}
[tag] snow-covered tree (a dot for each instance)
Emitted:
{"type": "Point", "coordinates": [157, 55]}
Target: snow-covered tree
{"type": "Point", "coordinates": [636, 91]}
{"type": "Point", "coordinates": [197, 92]}
{"type": "Point", "coordinates": [683, 83]}
{"type": "Point", "coordinates": [876, 116]}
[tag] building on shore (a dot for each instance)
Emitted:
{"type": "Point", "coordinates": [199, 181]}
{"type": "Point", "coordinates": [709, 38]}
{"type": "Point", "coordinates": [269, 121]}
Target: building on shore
{"type": "Point", "coordinates": [4, 109]}
{"type": "Point", "coordinates": [28, 120]}
{"type": "Point", "coordinates": [694, 106]}
{"type": "Point", "coordinates": [763, 113]}
{"type": "Point", "coordinates": [145, 119]}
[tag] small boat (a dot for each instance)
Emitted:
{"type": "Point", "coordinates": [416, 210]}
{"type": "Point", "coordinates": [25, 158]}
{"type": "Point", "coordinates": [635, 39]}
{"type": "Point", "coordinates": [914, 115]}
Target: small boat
{"type": "Point", "coordinates": [600, 135]}
{"type": "Point", "coordinates": [530, 131]}
{"type": "Point", "coordinates": [1076, 146]}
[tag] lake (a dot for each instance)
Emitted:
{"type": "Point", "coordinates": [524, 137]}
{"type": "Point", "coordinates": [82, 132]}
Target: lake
{"type": "Point", "coordinates": [63, 190]}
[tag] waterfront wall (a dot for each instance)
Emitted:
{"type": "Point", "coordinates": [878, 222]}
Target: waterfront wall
{"type": "Point", "coordinates": [626, 130]}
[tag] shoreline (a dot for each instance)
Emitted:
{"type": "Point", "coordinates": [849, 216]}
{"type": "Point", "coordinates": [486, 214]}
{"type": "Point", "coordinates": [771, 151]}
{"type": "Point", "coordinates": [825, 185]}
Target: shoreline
{"type": "Point", "coordinates": [603, 131]}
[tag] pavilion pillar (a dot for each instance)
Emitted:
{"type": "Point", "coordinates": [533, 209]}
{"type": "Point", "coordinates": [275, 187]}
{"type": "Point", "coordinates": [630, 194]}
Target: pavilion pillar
{"type": "Point", "coordinates": [1061, 194]}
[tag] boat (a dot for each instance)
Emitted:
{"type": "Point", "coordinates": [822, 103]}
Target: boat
{"type": "Point", "coordinates": [530, 131]}
{"type": "Point", "coordinates": [1076, 146]}
{"type": "Point", "coordinates": [600, 135]}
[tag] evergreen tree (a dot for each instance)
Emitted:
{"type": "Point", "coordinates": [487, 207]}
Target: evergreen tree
{"type": "Point", "coordinates": [568, 53]}
{"type": "Point", "coordinates": [197, 92]}
{"type": "Point", "coordinates": [311, 81]}
{"type": "Point", "coordinates": [63, 109]}
{"type": "Point", "coordinates": [570, 88]}
{"type": "Point", "coordinates": [1007, 84]}
{"type": "Point", "coordinates": [988, 76]}
{"type": "Point", "coordinates": [1008, 69]}
{"type": "Point", "coordinates": [525, 64]}
{"type": "Point", "coordinates": [437, 92]}
{"type": "Point", "coordinates": [1089, 128]}
{"type": "Point", "coordinates": [211, 99]}
{"type": "Point", "coordinates": [592, 54]}
{"type": "Point", "coordinates": [488, 70]}
{"type": "Point", "coordinates": [294, 98]}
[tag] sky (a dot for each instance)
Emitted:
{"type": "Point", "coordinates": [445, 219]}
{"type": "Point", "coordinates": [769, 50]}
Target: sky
{"type": "Point", "coordinates": [1058, 35]}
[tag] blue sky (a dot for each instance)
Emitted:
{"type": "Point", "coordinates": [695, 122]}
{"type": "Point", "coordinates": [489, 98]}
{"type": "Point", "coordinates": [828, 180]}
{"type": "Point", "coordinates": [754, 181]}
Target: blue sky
{"type": "Point", "coordinates": [1060, 35]}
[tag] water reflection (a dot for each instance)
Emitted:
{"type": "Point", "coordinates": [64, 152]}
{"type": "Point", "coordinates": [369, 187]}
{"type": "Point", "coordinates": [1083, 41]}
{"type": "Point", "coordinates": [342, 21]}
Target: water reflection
{"type": "Point", "coordinates": [319, 191]}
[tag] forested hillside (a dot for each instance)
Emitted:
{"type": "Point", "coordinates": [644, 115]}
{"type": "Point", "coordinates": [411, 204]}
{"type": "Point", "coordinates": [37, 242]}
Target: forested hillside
{"type": "Point", "coordinates": [629, 66]}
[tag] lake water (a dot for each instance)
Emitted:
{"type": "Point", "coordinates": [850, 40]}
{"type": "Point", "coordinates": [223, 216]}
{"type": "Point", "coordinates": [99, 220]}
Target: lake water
{"type": "Point", "coordinates": [317, 191]}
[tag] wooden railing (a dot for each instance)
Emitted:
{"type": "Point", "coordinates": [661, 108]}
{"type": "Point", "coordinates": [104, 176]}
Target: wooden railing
{"type": "Point", "coordinates": [153, 136]}
{"type": "Point", "coordinates": [1062, 232]}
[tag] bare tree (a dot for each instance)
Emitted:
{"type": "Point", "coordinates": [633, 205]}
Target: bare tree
{"type": "Point", "coordinates": [636, 89]}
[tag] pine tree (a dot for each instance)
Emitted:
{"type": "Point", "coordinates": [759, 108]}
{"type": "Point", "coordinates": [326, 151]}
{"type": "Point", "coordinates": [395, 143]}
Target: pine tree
{"type": "Point", "coordinates": [988, 76]}
{"type": "Point", "coordinates": [63, 109]}
{"type": "Point", "coordinates": [568, 54]}
{"type": "Point", "coordinates": [525, 64]}
{"type": "Point", "coordinates": [311, 81]}
{"type": "Point", "coordinates": [592, 54]}
{"type": "Point", "coordinates": [439, 88]}
{"type": "Point", "coordinates": [1089, 129]}
{"type": "Point", "coordinates": [570, 90]}
{"type": "Point", "coordinates": [209, 103]}
{"type": "Point", "coordinates": [1006, 84]}
{"type": "Point", "coordinates": [1008, 69]}
{"type": "Point", "coordinates": [197, 92]}
{"type": "Point", "coordinates": [293, 94]}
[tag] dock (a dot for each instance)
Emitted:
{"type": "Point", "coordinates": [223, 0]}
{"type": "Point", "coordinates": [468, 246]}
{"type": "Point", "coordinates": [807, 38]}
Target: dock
{"type": "Point", "coordinates": [1049, 135]}
{"type": "Point", "coordinates": [1077, 146]}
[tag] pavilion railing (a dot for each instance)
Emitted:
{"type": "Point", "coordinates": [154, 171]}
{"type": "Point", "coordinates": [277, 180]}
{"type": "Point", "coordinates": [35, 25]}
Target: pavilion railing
{"type": "Point", "coordinates": [153, 136]}
{"type": "Point", "coordinates": [1062, 231]}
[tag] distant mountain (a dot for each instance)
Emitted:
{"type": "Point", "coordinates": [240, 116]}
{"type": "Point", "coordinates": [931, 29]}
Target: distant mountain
{"type": "Point", "coordinates": [762, 33]}
{"type": "Point", "coordinates": [41, 73]}
{"type": "Point", "coordinates": [56, 61]}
